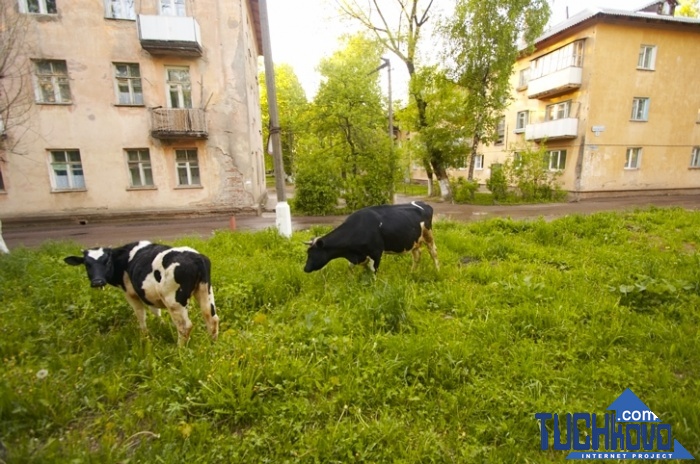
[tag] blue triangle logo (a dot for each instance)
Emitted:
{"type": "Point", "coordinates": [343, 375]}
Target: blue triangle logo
{"type": "Point", "coordinates": [629, 408]}
{"type": "Point", "coordinates": [679, 452]}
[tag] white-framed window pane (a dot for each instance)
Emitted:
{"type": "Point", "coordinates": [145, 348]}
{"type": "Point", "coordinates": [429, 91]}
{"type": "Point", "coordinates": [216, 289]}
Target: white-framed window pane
{"type": "Point", "coordinates": [521, 120]}
{"type": "Point", "coordinates": [2, 183]}
{"type": "Point", "coordinates": [179, 87]}
{"type": "Point", "coordinates": [67, 170]}
{"type": "Point", "coordinates": [187, 167]}
{"type": "Point", "coordinates": [140, 170]}
{"type": "Point", "coordinates": [695, 158]}
{"type": "Point", "coordinates": [501, 131]}
{"type": "Point", "coordinates": [120, 9]}
{"type": "Point", "coordinates": [558, 111]}
{"type": "Point", "coordinates": [647, 55]}
{"type": "Point", "coordinates": [38, 6]}
{"type": "Point", "coordinates": [51, 80]}
{"type": "Point", "coordinates": [172, 7]}
{"type": "Point", "coordinates": [557, 160]}
{"type": "Point", "coordinates": [633, 158]}
{"type": "Point", "coordinates": [128, 83]}
{"type": "Point", "coordinates": [479, 162]}
{"type": "Point", "coordinates": [640, 109]}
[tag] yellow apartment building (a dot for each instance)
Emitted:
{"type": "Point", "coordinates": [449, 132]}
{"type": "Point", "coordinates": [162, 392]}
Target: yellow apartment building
{"type": "Point", "coordinates": [615, 97]}
{"type": "Point", "coordinates": [137, 108]}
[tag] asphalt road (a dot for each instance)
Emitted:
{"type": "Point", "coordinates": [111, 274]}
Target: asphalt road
{"type": "Point", "coordinates": [114, 234]}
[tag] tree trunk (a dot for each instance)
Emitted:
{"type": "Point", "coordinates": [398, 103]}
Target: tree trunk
{"type": "Point", "coordinates": [472, 157]}
{"type": "Point", "coordinates": [443, 181]}
{"type": "Point", "coordinates": [3, 246]}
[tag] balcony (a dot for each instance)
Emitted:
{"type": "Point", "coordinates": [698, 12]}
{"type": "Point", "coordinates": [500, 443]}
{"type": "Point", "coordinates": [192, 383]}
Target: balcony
{"type": "Point", "coordinates": [170, 35]}
{"type": "Point", "coordinates": [178, 123]}
{"type": "Point", "coordinates": [555, 83]}
{"type": "Point", "coordinates": [565, 128]}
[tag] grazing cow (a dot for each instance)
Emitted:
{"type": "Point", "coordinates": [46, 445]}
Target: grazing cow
{"type": "Point", "coordinates": [371, 231]}
{"type": "Point", "coordinates": [158, 276]}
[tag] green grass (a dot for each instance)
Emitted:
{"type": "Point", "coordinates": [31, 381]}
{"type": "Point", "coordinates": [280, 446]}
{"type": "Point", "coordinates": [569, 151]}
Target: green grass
{"type": "Point", "coordinates": [334, 366]}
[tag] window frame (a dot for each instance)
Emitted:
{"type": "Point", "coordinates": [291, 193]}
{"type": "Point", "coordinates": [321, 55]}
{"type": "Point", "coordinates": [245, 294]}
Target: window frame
{"type": "Point", "coordinates": [2, 183]}
{"type": "Point", "coordinates": [646, 59]}
{"type": "Point", "coordinates": [59, 82]}
{"type": "Point", "coordinates": [479, 162]}
{"type": "Point", "coordinates": [637, 152]}
{"type": "Point", "coordinates": [183, 89]}
{"type": "Point", "coordinates": [520, 123]}
{"type": "Point", "coordinates": [124, 5]}
{"type": "Point", "coordinates": [642, 103]}
{"type": "Point", "coordinates": [523, 78]}
{"type": "Point", "coordinates": [70, 166]}
{"type": "Point", "coordinates": [179, 7]}
{"type": "Point", "coordinates": [560, 164]}
{"type": "Point", "coordinates": [130, 80]}
{"type": "Point", "coordinates": [556, 108]}
{"type": "Point", "coordinates": [43, 6]}
{"type": "Point", "coordinates": [144, 168]}
{"type": "Point", "coordinates": [500, 132]}
{"type": "Point", "coordinates": [695, 158]}
{"type": "Point", "coordinates": [568, 56]}
{"type": "Point", "coordinates": [189, 166]}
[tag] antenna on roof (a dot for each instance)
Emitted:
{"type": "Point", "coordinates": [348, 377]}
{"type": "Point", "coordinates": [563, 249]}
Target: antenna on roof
{"type": "Point", "coordinates": [567, 11]}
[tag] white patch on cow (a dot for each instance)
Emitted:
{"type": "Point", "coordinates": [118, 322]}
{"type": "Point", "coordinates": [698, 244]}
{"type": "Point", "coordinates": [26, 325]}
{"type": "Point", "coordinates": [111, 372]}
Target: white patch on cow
{"type": "Point", "coordinates": [96, 253]}
{"type": "Point", "coordinates": [142, 244]}
{"type": "Point", "coordinates": [158, 292]}
{"type": "Point", "coordinates": [417, 205]}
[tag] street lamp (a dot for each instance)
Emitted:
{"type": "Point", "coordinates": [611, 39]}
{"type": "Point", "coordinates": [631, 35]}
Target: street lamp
{"type": "Point", "coordinates": [387, 64]}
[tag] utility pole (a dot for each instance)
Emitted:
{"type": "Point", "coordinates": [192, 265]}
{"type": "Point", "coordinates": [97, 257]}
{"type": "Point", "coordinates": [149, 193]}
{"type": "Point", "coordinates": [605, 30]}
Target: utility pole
{"type": "Point", "coordinates": [282, 211]}
{"type": "Point", "coordinates": [387, 64]}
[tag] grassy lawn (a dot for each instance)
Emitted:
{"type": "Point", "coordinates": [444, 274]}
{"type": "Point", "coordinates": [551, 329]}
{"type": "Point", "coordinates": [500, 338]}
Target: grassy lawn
{"type": "Point", "coordinates": [334, 366]}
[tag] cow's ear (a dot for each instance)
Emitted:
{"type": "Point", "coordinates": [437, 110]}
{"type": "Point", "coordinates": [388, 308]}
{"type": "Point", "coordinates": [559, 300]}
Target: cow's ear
{"type": "Point", "coordinates": [74, 260]}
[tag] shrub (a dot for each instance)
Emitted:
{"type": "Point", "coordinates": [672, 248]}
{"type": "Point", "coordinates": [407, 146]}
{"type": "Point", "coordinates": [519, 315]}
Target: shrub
{"type": "Point", "coordinates": [317, 187]}
{"type": "Point", "coordinates": [463, 190]}
{"type": "Point", "coordinates": [497, 183]}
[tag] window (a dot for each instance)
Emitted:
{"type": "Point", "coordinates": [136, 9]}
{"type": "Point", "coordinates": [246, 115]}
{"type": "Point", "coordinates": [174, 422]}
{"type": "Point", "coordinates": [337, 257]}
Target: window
{"type": "Point", "coordinates": [521, 121]}
{"type": "Point", "coordinates": [647, 57]}
{"type": "Point", "coordinates": [558, 111]}
{"type": "Point", "coordinates": [523, 78]}
{"type": "Point", "coordinates": [51, 81]}
{"type": "Point", "coordinates": [695, 158]}
{"type": "Point", "coordinates": [38, 6]}
{"type": "Point", "coordinates": [66, 170]}
{"type": "Point", "coordinates": [120, 9]}
{"type": "Point", "coordinates": [570, 55]}
{"type": "Point", "coordinates": [633, 158]}
{"type": "Point", "coordinates": [640, 109]}
{"type": "Point", "coordinates": [172, 7]}
{"type": "Point", "coordinates": [179, 88]}
{"type": "Point", "coordinates": [187, 167]}
{"type": "Point", "coordinates": [140, 171]}
{"type": "Point", "coordinates": [2, 183]}
{"type": "Point", "coordinates": [501, 131]}
{"type": "Point", "coordinates": [557, 160]}
{"type": "Point", "coordinates": [128, 84]}
{"type": "Point", "coordinates": [479, 162]}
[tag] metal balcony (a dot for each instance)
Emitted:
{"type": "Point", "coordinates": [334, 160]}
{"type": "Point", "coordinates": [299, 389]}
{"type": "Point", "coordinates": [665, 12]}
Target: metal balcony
{"type": "Point", "coordinates": [170, 35]}
{"type": "Point", "coordinates": [178, 123]}
{"type": "Point", "coordinates": [565, 128]}
{"type": "Point", "coordinates": [555, 83]}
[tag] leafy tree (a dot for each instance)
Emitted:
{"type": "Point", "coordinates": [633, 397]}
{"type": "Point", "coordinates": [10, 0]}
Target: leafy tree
{"type": "Point", "coordinates": [402, 37]}
{"type": "Point", "coordinates": [348, 121]}
{"type": "Point", "coordinates": [483, 42]}
{"type": "Point", "coordinates": [292, 106]}
{"type": "Point", "coordinates": [528, 171]}
{"type": "Point", "coordinates": [689, 8]}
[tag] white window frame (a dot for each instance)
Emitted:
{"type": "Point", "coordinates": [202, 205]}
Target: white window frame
{"type": "Point", "coordinates": [633, 158]}
{"type": "Point", "coordinates": [559, 110]}
{"type": "Point", "coordinates": [2, 182]}
{"type": "Point", "coordinates": [479, 162]}
{"type": "Point", "coordinates": [647, 57]}
{"type": "Point", "coordinates": [695, 157]}
{"type": "Point", "coordinates": [640, 109]}
{"type": "Point", "coordinates": [172, 8]}
{"type": "Point", "coordinates": [556, 160]}
{"type": "Point", "coordinates": [138, 161]}
{"type": "Point", "coordinates": [55, 79]}
{"type": "Point", "coordinates": [43, 6]}
{"type": "Point", "coordinates": [187, 164]}
{"type": "Point", "coordinates": [570, 55]}
{"type": "Point", "coordinates": [131, 79]}
{"type": "Point", "coordinates": [180, 89]}
{"type": "Point", "coordinates": [74, 174]}
{"type": "Point", "coordinates": [120, 9]}
{"type": "Point", "coordinates": [522, 119]}
{"type": "Point", "coordinates": [501, 132]}
{"type": "Point", "coordinates": [523, 78]}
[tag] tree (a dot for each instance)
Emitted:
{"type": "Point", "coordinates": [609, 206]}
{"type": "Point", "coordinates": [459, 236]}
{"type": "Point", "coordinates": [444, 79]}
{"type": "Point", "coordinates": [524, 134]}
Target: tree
{"type": "Point", "coordinates": [292, 106]}
{"type": "Point", "coordinates": [402, 38]}
{"type": "Point", "coordinates": [483, 45]}
{"type": "Point", "coordinates": [689, 9]}
{"type": "Point", "coordinates": [348, 121]}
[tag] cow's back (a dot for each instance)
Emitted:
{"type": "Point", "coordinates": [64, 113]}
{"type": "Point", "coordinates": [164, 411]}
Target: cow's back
{"type": "Point", "coordinates": [402, 225]}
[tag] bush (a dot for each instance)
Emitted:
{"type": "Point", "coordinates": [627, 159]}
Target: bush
{"type": "Point", "coordinates": [497, 182]}
{"type": "Point", "coordinates": [463, 190]}
{"type": "Point", "coordinates": [531, 176]}
{"type": "Point", "coordinates": [317, 188]}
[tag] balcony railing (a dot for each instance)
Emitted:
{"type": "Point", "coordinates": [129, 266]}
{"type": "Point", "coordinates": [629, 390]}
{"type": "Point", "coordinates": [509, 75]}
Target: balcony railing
{"type": "Point", "coordinates": [555, 83]}
{"type": "Point", "coordinates": [565, 128]}
{"type": "Point", "coordinates": [170, 35]}
{"type": "Point", "coordinates": [178, 123]}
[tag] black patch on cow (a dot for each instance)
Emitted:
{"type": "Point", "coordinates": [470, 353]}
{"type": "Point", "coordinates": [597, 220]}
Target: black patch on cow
{"type": "Point", "coordinates": [213, 311]}
{"type": "Point", "coordinates": [157, 276]}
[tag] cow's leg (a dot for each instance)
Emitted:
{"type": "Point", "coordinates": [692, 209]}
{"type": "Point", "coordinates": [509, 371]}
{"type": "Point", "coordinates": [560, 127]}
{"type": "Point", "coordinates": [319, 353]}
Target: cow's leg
{"type": "Point", "coordinates": [416, 256]}
{"type": "Point", "coordinates": [139, 310]}
{"type": "Point", "coordinates": [178, 314]}
{"type": "Point", "coordinates": [430, 243]}
{"type": "Point", "coordinates": [205, 298]}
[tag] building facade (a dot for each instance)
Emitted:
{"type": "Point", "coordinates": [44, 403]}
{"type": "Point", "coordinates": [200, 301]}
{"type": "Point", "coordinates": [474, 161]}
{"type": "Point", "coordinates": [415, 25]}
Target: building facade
{"type": "Point", "coordinates": [137, 109]}
{"type": "Point", "coordinates": [613, 95]}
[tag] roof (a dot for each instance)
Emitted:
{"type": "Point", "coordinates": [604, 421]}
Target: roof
{"type": "Point", "coordinates": [591, 13]}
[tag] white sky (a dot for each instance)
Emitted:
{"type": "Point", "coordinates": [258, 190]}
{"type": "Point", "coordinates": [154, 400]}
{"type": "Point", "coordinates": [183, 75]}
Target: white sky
{"type": "Point", "coordinates": [302, 32]}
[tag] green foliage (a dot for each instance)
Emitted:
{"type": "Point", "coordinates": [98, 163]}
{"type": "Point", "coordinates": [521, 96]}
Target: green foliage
{"type": "Point", "coordinates": [529, 173]}
{"type": "Point", "coordinates": [497, 182]}
{"type": "Point", "coordinates": [463, 190]}
{"type": "Point", "coordinates": [337, 366]}
{"type": "Point", "coordinates": [317, 186]}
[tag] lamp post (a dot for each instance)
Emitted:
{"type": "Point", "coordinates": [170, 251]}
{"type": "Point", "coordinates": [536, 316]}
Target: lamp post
{"type": "Point", "coordinates": [387, 64]}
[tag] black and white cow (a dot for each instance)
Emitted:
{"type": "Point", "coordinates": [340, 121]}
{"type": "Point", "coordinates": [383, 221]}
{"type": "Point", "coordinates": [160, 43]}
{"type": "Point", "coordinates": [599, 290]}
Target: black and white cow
{"type": "Point", "coordinates": [158, 276]}
{"type": "Point", "coordinates": [369, 232]}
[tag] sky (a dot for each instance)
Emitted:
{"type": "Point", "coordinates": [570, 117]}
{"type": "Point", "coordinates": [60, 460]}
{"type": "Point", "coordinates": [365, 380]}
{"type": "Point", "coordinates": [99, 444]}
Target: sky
{"type": "Point", "coordinates": [302, 32]}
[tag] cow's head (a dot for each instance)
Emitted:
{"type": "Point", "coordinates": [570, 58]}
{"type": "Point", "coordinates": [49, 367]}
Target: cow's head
{"type": "Point", "coordinates": [98, 263]}
{"type": "Point", "coordinates": [317, 255]}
